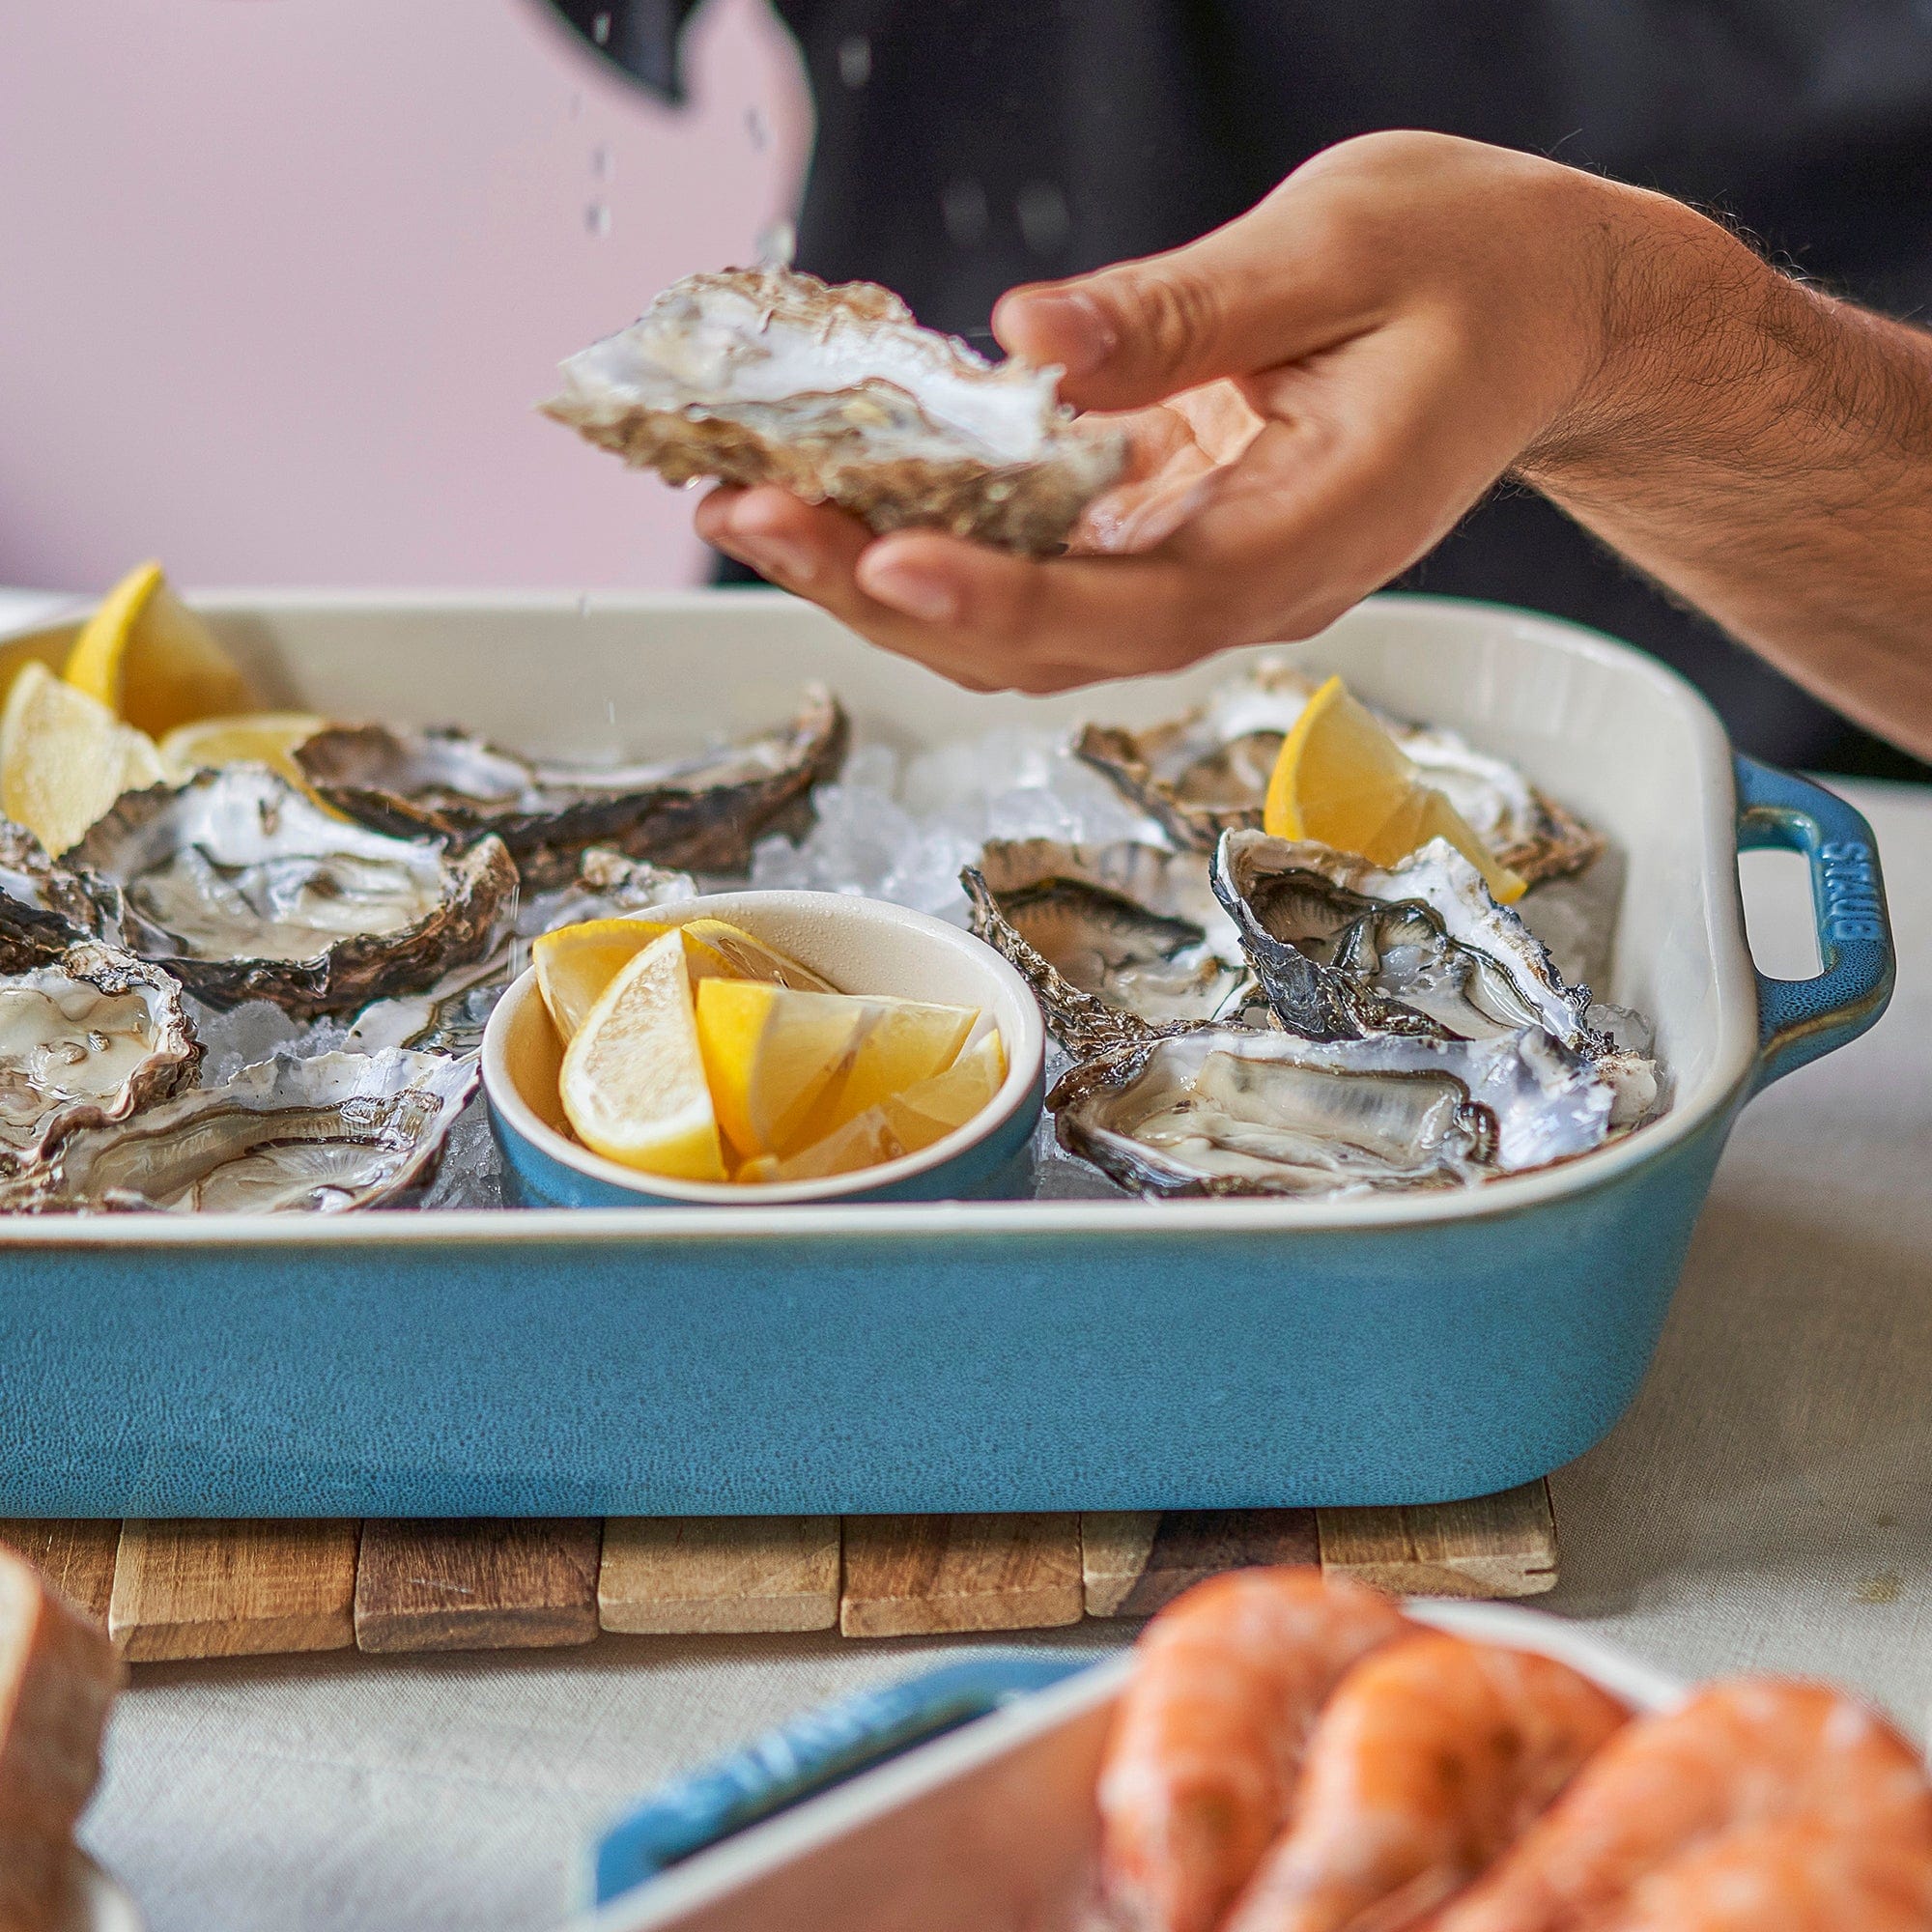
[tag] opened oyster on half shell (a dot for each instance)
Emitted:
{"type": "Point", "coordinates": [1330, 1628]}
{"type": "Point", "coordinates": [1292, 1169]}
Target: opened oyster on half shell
{"type": "Point", "coordinates": [1345, 949]}
{"type": "Point", "coordinates": [1206, 771]}
{"type": "Point", "coordinates": [1117, 941]}
{"type": "Point", "coordinates": [836, 394]}
{"type": "Point", "coordinates": [1231, 1111]}
{"type": "Point", "coordinates": [86, 1039]}
{"type": "Point", "coordinates": [703, 811]}
{"type": "Point", "coordinates": [338, 1131]}
{"type": "Point", "coordinates": [46, 907]}
{"type": "Point", "coordinates": [245, 889]}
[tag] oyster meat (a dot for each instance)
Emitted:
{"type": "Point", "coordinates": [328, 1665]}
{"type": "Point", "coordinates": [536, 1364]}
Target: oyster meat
{"type": "Point", "coordinates": [341, 1130]}
{"type": "Point", "coordinates": [46, 908]}
{"type": "Point", "coordinates": [245, 889]}
{"type": "Point", "coordinates": [1347, 949]}
{"type": "Point", "coordinates": [835, 393]}
{"type": "Point", "coordinates": [85, 1040]}
{"type": "Point", "coordinates": [1228, 1111]}
{"type": "Point", "coordinates": [1117, 941]}
{"type": "Point", "coordinates": [699, 812]}
{"type": "Point", "coordinates": [1206, 773]}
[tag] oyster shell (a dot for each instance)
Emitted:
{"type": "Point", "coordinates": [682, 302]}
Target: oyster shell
{"type": "Point", "coordinates": [1226, 1111]}
{"type": "Point", "coordinates": [700, 813]}
{"type": "Point", "coordinates": [46, 908]}
{"type": "Point", "coordinates": [448, 1017]}
{"type": "Point", "coordinates": [835, 393]}
{"type": "Point", "coordinates": [1117, 941]}
{"type": "Point", "coordinates": [245, 889]}
{"type": "Point", "coordinates": [1206, 771]}
{"type": "Point", "coordinates": [342, 1131]}
{"type": "Point", "coordinates": [86, 1039]}
{"type": "Point", "coordinates": [607, 886]}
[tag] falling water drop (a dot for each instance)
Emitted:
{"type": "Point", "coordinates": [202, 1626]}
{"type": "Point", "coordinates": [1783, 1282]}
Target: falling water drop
{"type": "Point", "coordinates": [600, 30]}
{"type": "Point", "coordinates": [597, 219]}
{"type": "Point", "coordinates": [754, 126]}
{"type": "Point", "coordinates": [964, 204]}
{"type": "Point", "coordinates": [855, 60]}
{"type": "Point", "coordinates": [601, 163]}
{"type": "Point", "coordinates": [778, 243]}
{"type": "Point", "coordinates": [1043, 216]}
{"type": "Point", "coordinates": [576, 105]}
{"type": "Point", "coordinates": [582, 604]}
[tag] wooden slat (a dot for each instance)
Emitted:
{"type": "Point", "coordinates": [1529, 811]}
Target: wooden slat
{"type": "Point", "coordinates": [232, 1589]}
{"type": "Point", "coordinates": [1501, 1546]}
{"type": "Point", "coordinates": [76, 1557]}
{"type": "Point", "coordinates": [1135, 1562]}
{"type": "Point", "coordinates": [482, 1584]}
{"type": "Point", "coordinates": [914, 1575]}
{"type": "Point", "coordinates": [674, 1576]}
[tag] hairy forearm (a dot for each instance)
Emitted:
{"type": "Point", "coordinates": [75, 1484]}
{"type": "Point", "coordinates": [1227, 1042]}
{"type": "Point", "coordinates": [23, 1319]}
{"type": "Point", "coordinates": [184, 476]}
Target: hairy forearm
{"type": "Point", "coordinates": [1763, 451]}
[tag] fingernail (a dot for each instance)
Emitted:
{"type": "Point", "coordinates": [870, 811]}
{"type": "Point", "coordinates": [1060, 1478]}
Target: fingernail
{"type": "Point", "coordinates": [1082, 336]}
{"type": "Point", "coordinates": [912, 591]}
{"type": "Point", "coordinates": [774, 558]}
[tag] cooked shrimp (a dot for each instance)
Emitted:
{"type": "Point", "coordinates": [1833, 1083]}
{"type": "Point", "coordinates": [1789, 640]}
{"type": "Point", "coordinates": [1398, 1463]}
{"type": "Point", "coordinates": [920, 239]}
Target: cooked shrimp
{"type": "Point", "coordinates": [1201, 1765]}
{"type": "Point", "coordinates": [1786, 1877]}
{"type": "Point", "coordinates": [1746, 1754]}
{"type": "Point", "coordinates": [1431, 1756]}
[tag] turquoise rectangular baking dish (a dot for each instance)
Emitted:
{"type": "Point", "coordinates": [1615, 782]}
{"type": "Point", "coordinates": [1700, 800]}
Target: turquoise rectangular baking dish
{"type": "Point", "coordinates": [946, 1357]}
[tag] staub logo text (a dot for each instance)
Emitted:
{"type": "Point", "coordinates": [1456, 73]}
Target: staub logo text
{"type": "Point", "coordinates": [1854, 906]}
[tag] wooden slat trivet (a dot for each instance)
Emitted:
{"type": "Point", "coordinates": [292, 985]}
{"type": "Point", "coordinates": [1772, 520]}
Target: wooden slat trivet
{"type": "Point", "coordinates": [232, 1589]}
{"type": "Point", "coordinates": [489, 1584]}
{"type": "Point", "coordinates": [914, 1575]}
{"type": "Point", "coordinates": [1135, 1562]}
{"type": "Point", "coordinates": [1501, 1546]}
{"type": "Point", "coordinates": [669, 1576]}
{"type": "Point", "coordinates": [217, 1589]}
{"type": "Point", "coordinates": [77, 1558]}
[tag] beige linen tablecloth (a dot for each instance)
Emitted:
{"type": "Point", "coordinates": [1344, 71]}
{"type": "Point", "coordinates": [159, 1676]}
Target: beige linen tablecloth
{"type": "Point", "coordinates": [1766, 1504]}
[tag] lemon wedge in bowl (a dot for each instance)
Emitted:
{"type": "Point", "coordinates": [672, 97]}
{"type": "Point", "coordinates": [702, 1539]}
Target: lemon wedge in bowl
{"type": "Point", "coordinates": [748, 957]}
{"type": "Point", "coordinates": [575, 963]}
{"type": "Point", "coordinates": [904, 1041]}
{"type": "Point", "coordinates": [769, 1053]}
{"type": "Point", "coordinates": [633, 1083]}
{"type": "Point", "coordinates": [64, 759]}
{"type": "Point", "coordinates": [154, 664]}
{"type": "Point", "coordinates": [900, 1123]}
{"type": "Point", "coordinates": [1342, 781]}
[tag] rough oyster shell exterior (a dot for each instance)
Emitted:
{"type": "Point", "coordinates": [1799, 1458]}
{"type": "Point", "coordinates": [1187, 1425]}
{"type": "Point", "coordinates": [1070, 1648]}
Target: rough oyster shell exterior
{"type": "Point", "coordinates": [46, 907]}
{"type": "Point", "coordinates": [836, 394]}
{"type": "Point", "coordinates": [245, 889]}
{"type": "Point", "coordinates": [1119, 942]}
{"type": "Point", "coordinates": [1206, 771]}
{"type": "Point", "coordinates": [338, 1131]}
{"type": "Point", "coordinates": [700, 813]}
{"type": "Point", "coordinates": [86, 1039]}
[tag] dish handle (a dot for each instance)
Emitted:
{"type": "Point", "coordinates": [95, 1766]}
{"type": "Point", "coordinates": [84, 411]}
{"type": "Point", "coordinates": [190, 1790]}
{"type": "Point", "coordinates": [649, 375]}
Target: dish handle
{"type": "Point", "coordinates": [804, 1758]}
{"type": "Point", "coordinates": [1800, 1020]}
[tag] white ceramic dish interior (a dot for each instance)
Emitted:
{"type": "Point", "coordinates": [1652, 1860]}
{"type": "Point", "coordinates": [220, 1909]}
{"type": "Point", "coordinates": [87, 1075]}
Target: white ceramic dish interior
{"type": "Point", "coordinates": [1620, 739]}
{"type": "Point", "coordinates": [994, 1825]}
{"type": "Point", "coordinates": [862, 945]}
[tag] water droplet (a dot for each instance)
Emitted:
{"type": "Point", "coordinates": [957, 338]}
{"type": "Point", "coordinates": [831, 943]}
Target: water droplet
{"type": "Point", "coordinates": [1044, 221]}
{"type": "Point", "coordinates": [778, 243]}
{"type": "Point", "coordinates": [599, 29]}
{"type": "Point", "coordinates": [601, 163]}
{"type": "Point", "coordinates": [582, 604]}
{"type": "Point", "coordinates": [597, 219]}
{"type": "Point", "coordinates": [576, 105]}
{"type": "Point", "coordinates": [964, 203]}
{"type": "Point", "coordinates": [754, 126]}
{"type": "Point", "coordinates": [610, 711]}
{"type": "Point", "coordinates": [855, 60]}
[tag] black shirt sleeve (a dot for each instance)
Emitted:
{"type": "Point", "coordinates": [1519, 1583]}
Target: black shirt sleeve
{"type": "Point", "coordinates": [643, 37]}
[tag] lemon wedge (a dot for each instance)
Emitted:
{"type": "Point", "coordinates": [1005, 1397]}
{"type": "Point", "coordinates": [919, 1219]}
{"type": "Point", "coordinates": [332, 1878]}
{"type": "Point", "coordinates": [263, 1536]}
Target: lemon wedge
{"type": "Point", "coordinates": [633, 1082]}
{"type": "Point", "coordinates": [906, 1041]}
{"type": "Point", "coordinates": [64, 759]}
{"type": "Point", "coordinates": [769, 1052]}
{"type": "Point", "coordinates": [1342, 779]}
{"type": "Point", "coordinates": [575, 963]}
{"type": "Point", "coordinates": [249, 738]}
{"type": "Point", "coordinates": [901, 1124]}
{"type": "Point", "coordinates": [746, 958]}
{"type": "Point", "coordinates": [150, 661]}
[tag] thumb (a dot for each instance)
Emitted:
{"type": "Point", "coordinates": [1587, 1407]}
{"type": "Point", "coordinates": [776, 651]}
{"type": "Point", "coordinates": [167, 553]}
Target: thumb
{"type": "Point", "coordinates": [1140, 332]}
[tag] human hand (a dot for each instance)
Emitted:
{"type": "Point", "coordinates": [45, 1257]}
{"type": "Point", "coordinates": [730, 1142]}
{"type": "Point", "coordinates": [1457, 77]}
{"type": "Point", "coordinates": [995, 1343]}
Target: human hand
{"type": "Point", "coordinates": [1315, 396]}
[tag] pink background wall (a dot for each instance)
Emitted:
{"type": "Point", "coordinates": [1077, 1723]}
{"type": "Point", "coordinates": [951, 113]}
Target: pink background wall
{"type": "Point", "coordinates": [279, 280]}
